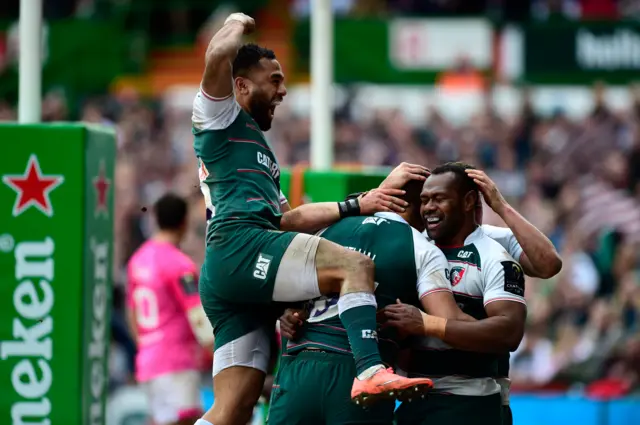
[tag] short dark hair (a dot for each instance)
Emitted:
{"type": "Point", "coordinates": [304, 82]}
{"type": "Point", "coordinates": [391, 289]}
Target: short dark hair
{"type": "Point", "coordinates": [248, 57]}
{"type": "Point", "coordinates": [170, 212]}
{"type": "Point", "coordinates": [465, 183]}
{"type": "Point", "coordinates": [412, 189]}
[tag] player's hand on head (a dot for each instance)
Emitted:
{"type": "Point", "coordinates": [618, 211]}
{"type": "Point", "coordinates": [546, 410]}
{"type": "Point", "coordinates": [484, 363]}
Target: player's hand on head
{"type": "Point", "coordinates": [489, 190]}
{"type": "Point", "coordinates": [382, 200]}
{"type": "Point", "coordinates": [403, 174]}
{"type": "Point", "coordinates": [246, 20]}
{"type": "Point", "coordinates": [406, 318]}
{"type": "Point", "coordinates": [290, 323]}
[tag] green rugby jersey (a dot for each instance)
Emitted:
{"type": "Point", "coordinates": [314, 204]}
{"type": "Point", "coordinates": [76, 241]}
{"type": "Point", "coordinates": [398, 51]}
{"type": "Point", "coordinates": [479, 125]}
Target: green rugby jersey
{"type": "Point", "coordinates": [407, 267]}
{"type": "Point", "coordinates": [238, 171]}
{"type": "Point", "coordinates": [480, 272]}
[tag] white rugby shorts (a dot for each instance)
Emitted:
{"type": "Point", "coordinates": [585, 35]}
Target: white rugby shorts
{"type": "Point", "coordinates": [174, 396]}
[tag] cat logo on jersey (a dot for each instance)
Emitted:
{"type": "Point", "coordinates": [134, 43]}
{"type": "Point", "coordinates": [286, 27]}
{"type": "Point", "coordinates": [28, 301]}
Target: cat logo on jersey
{"type": "Point", "coordinates": [203, 173]}
{"type": "Point", "coordinates": [464, 254]}
{"type": "Point", "coordinates": [456, 274]}
{"type": "Point", "coordinates": [261, 267]}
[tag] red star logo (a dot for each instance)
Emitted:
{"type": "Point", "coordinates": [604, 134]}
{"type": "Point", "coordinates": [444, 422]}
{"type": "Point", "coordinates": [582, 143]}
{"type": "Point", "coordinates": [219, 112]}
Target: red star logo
{"type": "Point", "coordinates": [101, 184]}
{"type": "Point", "coordinates": [33, 188]}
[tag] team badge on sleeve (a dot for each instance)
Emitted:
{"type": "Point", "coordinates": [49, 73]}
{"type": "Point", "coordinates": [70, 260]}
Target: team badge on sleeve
{"type": "Point", "coordinates": [513, 278]}
{"type": "Point", "coordinates": [189, 284]}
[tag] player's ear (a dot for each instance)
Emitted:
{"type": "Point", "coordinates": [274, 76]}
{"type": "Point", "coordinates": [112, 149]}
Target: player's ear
{"type": "Point", "coordinates": [242, 86]}
{"type": "Point", "coordinates": [470, 201]}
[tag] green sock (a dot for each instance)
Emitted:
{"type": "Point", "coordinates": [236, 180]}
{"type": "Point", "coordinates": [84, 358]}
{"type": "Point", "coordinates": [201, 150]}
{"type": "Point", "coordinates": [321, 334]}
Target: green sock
{"type": "Point", "coordinates": [359, 320]}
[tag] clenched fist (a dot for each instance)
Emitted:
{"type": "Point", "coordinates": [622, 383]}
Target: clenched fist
{"type": "Point", "coordinates": [247, 21]}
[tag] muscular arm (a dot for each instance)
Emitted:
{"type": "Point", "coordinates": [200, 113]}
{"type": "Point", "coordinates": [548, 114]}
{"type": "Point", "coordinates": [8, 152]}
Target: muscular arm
{"type": "Point", "coordinates": [539, 257]}
{"type": "Point", "coordinates": [442, 304]}
{"type": "Point", "coordinates": [309, 218]}
{"type": "Point", "coordinates": [217, 78]}
{"type": "Point", "coordinates": [131, 324]}
{"type": "Point", "coordinates": [502, 331]}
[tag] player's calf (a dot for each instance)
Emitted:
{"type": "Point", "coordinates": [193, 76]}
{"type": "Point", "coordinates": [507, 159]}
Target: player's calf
{"type": "Point", "coordinates": [357, 310]}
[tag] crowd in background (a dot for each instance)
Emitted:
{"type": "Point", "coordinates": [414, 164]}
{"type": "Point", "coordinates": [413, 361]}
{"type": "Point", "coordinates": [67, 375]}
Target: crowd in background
{"type": "Point", "coordinates": [577, 181]}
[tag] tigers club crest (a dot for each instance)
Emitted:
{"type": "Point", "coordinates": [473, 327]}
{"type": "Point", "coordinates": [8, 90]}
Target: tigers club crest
{"type": "Point", "coordinates": [456, 274]}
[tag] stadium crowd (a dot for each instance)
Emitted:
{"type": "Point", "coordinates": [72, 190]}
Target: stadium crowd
{"type": "Point", "coordinates": [578, 181]}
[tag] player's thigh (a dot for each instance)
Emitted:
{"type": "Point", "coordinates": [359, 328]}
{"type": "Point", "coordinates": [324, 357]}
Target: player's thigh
{"type": "Point", "coordinates": [312, 266]}
{"type": "Point", "coordinates": [335, 263]}
{"type": "Point", "coordinates": [241, 266]}
{"type": "Point", "coordinates": [174, 397]}
{"type": "Point", "coordinates": [297, 396]}
{"type": "Point", "coordinates": [236, 389]}
{"type": "Point", "coordinates": [340, 409]}
{"type": "Point", "coordinates": [296, 278]}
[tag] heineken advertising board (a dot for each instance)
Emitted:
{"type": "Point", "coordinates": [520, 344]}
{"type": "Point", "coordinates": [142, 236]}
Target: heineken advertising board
{"type": "Point", "coordinates": [582, 52]}
{"type": "Point", "coordinates": [56, 238]}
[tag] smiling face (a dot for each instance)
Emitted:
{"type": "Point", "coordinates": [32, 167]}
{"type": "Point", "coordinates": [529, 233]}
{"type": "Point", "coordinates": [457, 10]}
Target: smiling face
{"type": "Point", "coordinates": [445, 207]}
{"type": "Point", "coordinates": [261, 91]}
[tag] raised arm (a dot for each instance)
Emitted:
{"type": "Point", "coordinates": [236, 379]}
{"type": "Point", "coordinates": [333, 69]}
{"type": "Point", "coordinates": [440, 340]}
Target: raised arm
{"type": "Point", "coordinates": [539, 257]}
{"type": "Point", "coordinates": [217, 80]}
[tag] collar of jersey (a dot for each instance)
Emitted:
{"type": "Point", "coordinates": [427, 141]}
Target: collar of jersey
{"type": "Point", "coordinates": [474, 236]}
{"type": "Point", "coordinates": [391, 216]}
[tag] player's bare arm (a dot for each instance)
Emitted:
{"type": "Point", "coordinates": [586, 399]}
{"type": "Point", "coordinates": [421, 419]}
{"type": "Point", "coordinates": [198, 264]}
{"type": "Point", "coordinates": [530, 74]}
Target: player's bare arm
{"type": "Point", "coordinates": [409, 320]}
{"type": "Point", "coordinates": [131, 323]}
{"type": "Point", "coordinates": [313, 217]}
{"type": "Point", "coordinates": [217, 80]}
{"type": "Point", "coordinates": [539, 257]}
{"type": "Point", "coordinates": [501, 331]}
{"type": "Point", "coordinates": [201, 327]}
{"type": "Point", "coordinates": [310, 218]}
{"type": "Point", "coordinates": [442, 304]}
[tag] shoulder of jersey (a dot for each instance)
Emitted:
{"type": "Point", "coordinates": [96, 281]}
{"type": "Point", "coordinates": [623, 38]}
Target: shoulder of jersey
{"type": "Point", "coordinates": [490, 249]}
{"type": "Point", "coordinates": [421, 242]}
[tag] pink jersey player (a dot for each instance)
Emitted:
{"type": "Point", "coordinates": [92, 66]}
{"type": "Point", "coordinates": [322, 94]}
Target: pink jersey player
{"type": "Point", "coordinates": [164, 306]}
{"type": "Point", "coordinates": [162, 289]}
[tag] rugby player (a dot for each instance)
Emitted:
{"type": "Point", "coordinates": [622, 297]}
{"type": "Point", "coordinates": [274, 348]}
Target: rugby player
{"type": "Point", "coordinates": [166, 319]}
{"type": "Point", "coordinates": [524, 242]}
{"type": "Point", "coordinates": [488, 284]}
{"type": "Point", "coordinates": [313, 383]}
{"type": "Point", "coordinates": [542, 260]}
{"type": "Point", "coordinates": [254, 254]}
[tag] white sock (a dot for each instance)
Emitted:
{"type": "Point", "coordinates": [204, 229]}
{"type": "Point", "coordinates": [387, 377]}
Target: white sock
{"type": "Point", "coordinates": [202, 422]}
{"type": "Point", "coordinates": [355, 299]}
{"type": "Point", "coordinates": [369, 372]}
